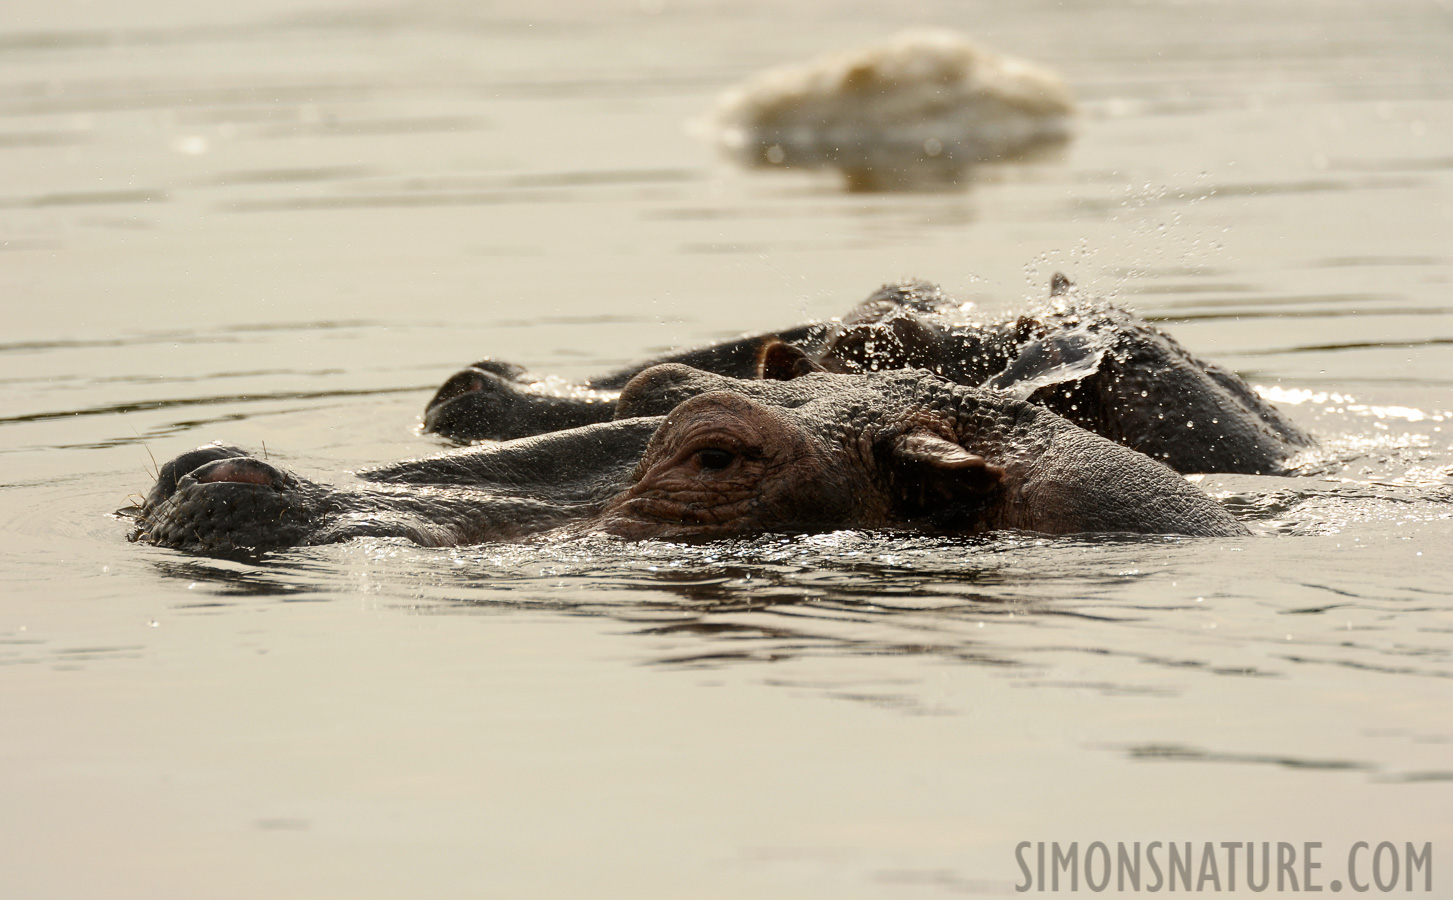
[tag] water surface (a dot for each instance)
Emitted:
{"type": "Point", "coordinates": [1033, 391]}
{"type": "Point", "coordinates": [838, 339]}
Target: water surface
{"type": "Point", "coordinates": [281, 226]}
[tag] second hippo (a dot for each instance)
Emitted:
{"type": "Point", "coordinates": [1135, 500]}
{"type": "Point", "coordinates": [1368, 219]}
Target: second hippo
{"type": "Point", "coordinates": [1099, 366]}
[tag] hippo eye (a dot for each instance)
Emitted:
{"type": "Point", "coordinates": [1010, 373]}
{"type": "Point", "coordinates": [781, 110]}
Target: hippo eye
{"type": "Point", "coordinates": [714, 458]}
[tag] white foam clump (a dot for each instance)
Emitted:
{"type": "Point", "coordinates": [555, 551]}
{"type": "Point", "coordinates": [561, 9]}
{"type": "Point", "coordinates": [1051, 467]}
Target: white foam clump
{"type": "Point", "coordinates": [924, 105]}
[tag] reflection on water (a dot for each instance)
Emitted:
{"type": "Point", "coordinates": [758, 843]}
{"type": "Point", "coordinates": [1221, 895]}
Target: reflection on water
{"type": "Point", "coordinates": [775, 598]}
{"type": "Point", "coordinates": [1118, 617]}
{"type": "Point", "coordinates": [224, 580]}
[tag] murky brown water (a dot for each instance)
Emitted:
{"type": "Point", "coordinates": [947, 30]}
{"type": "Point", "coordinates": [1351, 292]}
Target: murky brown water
{"type": "Point", "coordinates": [287, 224]}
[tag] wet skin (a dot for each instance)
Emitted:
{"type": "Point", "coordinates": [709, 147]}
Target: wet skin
{"type": "Point", "coordinates": [902, 450]}
{"type": "Point", "coordinates": [1101, 367]}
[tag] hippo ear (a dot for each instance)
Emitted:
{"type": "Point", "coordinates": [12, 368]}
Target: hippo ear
{"type": "Point", "coordinates": [1060, 285]}
{"type": "Point", "coordinates": [924, 448]}
{"type": "Point", "coordinates": [781, 361]}
{"type": "Point", "coordinates": [938, 478]}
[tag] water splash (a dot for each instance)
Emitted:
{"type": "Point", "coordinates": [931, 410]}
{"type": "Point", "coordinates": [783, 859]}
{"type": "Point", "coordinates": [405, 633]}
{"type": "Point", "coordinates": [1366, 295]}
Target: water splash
{"type": "Point", "coordinates": [1059, 358]}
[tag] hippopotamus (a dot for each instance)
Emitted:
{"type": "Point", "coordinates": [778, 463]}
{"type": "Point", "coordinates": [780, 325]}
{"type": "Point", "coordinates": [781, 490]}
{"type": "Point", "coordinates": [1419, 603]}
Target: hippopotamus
{"type": "Point", "coordinates": [917, 111]}
{"type": "Point", "coordinates": [900, 450]}
{"type": "Point", "coordinates": [1102, 367]}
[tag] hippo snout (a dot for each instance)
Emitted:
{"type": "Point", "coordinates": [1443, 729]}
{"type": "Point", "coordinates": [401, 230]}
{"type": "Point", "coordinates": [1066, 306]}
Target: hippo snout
{"type": "Point", "coordinates": [498, 401]}
{"type": "Point", "coordinates": [217, 498]}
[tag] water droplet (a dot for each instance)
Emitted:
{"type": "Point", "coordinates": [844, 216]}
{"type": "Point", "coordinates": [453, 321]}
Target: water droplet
{"type": "Point", "coordinates": [192, 145]}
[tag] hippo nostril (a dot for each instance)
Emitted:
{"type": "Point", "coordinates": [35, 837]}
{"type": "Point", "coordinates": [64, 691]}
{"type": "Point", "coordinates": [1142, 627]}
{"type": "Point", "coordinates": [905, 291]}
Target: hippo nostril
{"type": "Point", "coordinates": [238, 471]}
{"type": "Point", "coordinates": [468, 381]}
{"type": "Point", "coordinates": [472, 402]}
{"type": "Point", "coordinates": [173, 472]}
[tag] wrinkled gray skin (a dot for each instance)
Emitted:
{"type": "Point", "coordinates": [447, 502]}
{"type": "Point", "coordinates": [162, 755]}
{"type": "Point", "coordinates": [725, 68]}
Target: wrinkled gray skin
{"type": "Point", "coordinates": [1101, 367]}
{"type": "Point", "coordinates": [901, 450]}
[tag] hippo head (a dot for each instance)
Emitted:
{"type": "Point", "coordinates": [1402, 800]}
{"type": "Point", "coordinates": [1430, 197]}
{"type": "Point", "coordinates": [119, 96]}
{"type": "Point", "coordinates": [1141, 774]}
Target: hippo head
{"type": "Point", "coordinates": [724, 464]}
{"type": "Point", "coordinates": [892, 450]}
